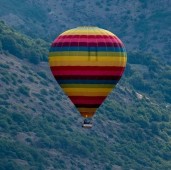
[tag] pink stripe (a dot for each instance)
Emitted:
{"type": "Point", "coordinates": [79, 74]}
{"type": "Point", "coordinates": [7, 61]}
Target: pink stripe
{"type": "Point", "coordinates": [90, 68]}
{"type": "Point", "coordinates": [86, 44]}
{"type": "Point", "coordinates": [88, 40]}
{"type": "Point", "coordinates": [87, 101]}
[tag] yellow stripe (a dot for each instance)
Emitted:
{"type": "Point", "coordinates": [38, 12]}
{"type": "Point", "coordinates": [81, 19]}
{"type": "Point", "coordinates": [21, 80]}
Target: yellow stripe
{"type": "Point", "coordinates": [87, 92]}
{"type": "Point", "coordinates": [78, 53]}
{"type": "Point", "coordinates": [87, 85]}
{"type": "Point", "coordinates": [86, 58]}
{"type": "Point", "coordinates": [89, 63]}
{"type": "Point", "coordinates": [87, 109]}
{"type": "Point", "coordinates": [87, 32]}
{"type": "Point", "coordinates": [68, 31]}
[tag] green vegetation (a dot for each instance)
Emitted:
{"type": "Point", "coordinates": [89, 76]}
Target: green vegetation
{"type": "Point", "coordinates": [24, 90]}
{"type": "Point", "coordinates": [22, 46]}
{"type": "Point", "coordinates": [38, 131]}
{"type": "Point", "coordinates": [147, 74]}
{"type": "Point", "coordinates": [39, 127]}
{"type": "Point", "coordinates": [142, 25]}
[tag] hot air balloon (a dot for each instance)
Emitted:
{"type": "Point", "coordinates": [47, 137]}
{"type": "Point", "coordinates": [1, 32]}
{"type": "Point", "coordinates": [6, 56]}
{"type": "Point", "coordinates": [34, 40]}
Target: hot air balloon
{"type": "Point", "coordinates": [87, 62]}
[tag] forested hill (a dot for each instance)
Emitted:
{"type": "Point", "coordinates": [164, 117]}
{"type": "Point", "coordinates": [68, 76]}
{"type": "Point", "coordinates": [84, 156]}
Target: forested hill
{"type": "Point", "coordinates": [40, 129]}
{"type": "Point", "coordinates": [142, 25]}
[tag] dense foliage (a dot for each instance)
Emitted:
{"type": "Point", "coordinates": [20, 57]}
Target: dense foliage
{"type": "Point", "coordinates": [147, 74]}
{"type": "Point", "coordinates": [40, 129]}
{"type": "Point", "coordinates": [22, 46]}
{"type": "Point", "coordinates": [143, 25]}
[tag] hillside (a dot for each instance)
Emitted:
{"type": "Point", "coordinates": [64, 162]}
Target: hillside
{"type": "Point", "coordinates": [41, 129]}
{"type": "Point", "coordinates": [143, 25]}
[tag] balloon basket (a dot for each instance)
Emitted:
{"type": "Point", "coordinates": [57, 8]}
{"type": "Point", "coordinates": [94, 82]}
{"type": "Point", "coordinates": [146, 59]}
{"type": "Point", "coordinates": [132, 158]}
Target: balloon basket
{"type": "Point", "coordinates": [87, 123]}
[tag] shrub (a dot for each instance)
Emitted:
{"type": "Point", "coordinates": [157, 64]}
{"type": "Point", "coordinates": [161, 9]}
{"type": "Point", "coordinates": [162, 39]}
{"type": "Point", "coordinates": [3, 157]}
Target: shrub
{"type": "Point", "coordinates": [4, 65]}
{"type": "Point", "coordinates": [42, 74]}
{"type": "Point", "coordinates": [30, 78]}
{"type": "Point", "coordinates": [24, 90]}
{"type": "Point", "coordinates": [33, 58]}
{"type": "Point", "coordinates": [43, 92]}
{"type": "Point", "coordinates": [155, 128]}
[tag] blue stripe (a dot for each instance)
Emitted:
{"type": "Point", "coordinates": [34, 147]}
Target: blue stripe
{"type": "Point", "coordinates": [110, 49]}
{"type": "Point", "coordinates": [114, 82]}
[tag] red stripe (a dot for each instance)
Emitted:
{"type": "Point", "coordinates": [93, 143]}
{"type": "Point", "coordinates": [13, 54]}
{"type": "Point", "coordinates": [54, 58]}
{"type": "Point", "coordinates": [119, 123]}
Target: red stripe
{"type": "Point", "coordinates": [87, 73]}
{"type": "Point", "coordinates": [91, 68]}
{"type": "Point", "coordinates": [87, 99]}
{"type": "Point", "coordinates": [85, 77]}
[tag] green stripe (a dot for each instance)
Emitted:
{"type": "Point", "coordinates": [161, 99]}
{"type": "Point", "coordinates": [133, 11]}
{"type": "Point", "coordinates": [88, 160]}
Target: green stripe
{"type": "Point", "coordinates": [76, 53]}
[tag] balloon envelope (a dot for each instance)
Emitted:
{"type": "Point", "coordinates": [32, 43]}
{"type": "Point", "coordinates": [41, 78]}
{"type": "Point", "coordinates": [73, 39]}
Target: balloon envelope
{"type": "Point", "coordinates": [87, 62]}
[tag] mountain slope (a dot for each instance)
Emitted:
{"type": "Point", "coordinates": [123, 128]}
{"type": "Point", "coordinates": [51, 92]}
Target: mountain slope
{"type": "Point", "coordinates": [142, 25]}
{"type": "Point", "coordinates": [41, 129]}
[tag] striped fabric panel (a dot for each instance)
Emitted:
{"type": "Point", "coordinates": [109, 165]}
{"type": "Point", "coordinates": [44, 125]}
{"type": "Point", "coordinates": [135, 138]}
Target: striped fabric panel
{"type": "Point", "coordinates": [91, 62]}
{"type": "Point", "coordinates": [87, 92]}
{"type": "Point", "coordinates": [86, 48]}
{"type": "Point", "coordinates": [86, 77]}
{"type": "Point", "coordinates": [87, 44]}
{"type": "Point", "coordinates": [80, 81]}
{"type": "Point", "coordinates": [86, 71]}
{"type": "Point", "coordinates": [87, 62]}
{"type": "Point", "coordinates": [86, 58]}
{"type": "Point", "coordinates": [88, 85]}
{"type": "Point", "coordinates": [87, 36]}
{"type": "Point", "coordinates": [86, 53]}
{"type": "Point", "coordinates": [89, 31]}
{"type": "Point", "coordinates": [86, 68]}
{"type": "Point", "coordinates": [87, 99]}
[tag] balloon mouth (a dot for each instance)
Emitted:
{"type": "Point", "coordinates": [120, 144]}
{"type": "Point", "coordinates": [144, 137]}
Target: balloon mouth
{"type": "Point", "coordinates": [87, 115]}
